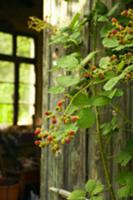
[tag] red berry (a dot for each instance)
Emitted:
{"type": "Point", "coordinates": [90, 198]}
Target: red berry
{"type": "Point", "coordinates": [87, 75]}
{"type": "Point", "coordinates": [101, 76]}
{"type": "Point", "coordinates": [120, 27]}
{"type": "Point", "coordinates": [59, 103]}
{"type": "Point", "coordinates": [125, 13]}
{"type": "Point", "coordinates": [37, 131]}
{"type": "Point", "coordinates": [114, 20]}
{"type": "Point", "coordinates": [54, 120]}
{"type": "Point", "coordinates": [114, 31]}
{"type": "Point", "coordinates": [93, 68]}
{"type": "Point", "coordinates": [37, 142]}
{"type": "Point", "coordinates": [67, 140]}
{"type": "Point", "coordinates": [49, 138]}
{"type": "Point", "coordinates": [71, 133]}
{"type": "Point", "coordinates": [47, 113]}
{"type": "Point", "coordinates": [74, 118]}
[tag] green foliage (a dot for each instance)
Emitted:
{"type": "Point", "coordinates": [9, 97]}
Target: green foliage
{"type": "Point", "coordinates": [69, 62]}
{"type": "Point", "coordinates": [125, 179]}
{"type": "Point", "coordinates": [86, 118]}
{"type": "Point", "coordinates": [94, 84]}
{"type": "Point", "coordinates": [93, 189]}
{"type": "Point", "coordinates": [77, 195]}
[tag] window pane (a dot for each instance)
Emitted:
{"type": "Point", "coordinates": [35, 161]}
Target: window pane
{"type": "Point", "coordinates": [6, 71]}
{"type": "Point", "coordinates": [5, 43]}
{"type": "Point", "coordinates": [26, 113]}
{"type": "Point", "coordinates": [25, 47]}
{"type": "Point", "coordinates": [27, 73]}
{"type": "Point", "coordinates": [26, 94]}
{"type": "Point", "coordinates": [6, 93]}
{"type": "Point", "coordinates": [6, 114]}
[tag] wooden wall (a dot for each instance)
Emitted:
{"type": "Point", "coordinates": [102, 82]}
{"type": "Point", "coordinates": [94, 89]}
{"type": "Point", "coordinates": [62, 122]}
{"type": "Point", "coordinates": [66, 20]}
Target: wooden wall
{"type": "Point", "coordinates": [80, 160]}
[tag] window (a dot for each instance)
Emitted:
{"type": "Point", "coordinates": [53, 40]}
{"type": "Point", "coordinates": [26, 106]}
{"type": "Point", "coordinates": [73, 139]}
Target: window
{"type": "Point", "coordinates": [17, 79]}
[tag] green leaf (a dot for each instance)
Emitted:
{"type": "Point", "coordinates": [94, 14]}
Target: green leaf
{"type": "Point", "coordinates": [101, 8]}
{"type": "Point", "coordinates": [67, 81]}
{"type": "Point", "coordinates": [90, 185]}
{"type": "Point", "coordinates": [114, 9]}
{"type": "Point", "coordinates": [86, 118]}
{"type": "Point", "coordinates": [105, 29]}
{"type": "Point", "coordinates": [103, 19]}
{"type": "Point", "coordinates": [124, 157]}
{"type": "Point", "coordinates": [120, 66]}
{"type": "Point", "coordinates": [88, 58]}
{"type": "Point", "coordinates": [123, 192]}
{"type": "Point", "coordinates": [113, 93]}
{"type": "Point", "coordinates": [126, 180]}
{"type": "Point", "coordinates": [81, 100]}
{"type": "Point", "coordinates": [129, 68]}
{"type": "Point", "coordinates": [104, 62]}
{"type": "Point", "coordinates": [56, 90]}
{"type": "Point", "coordinates": [68, 62]}
{"type": "Point", "coordinates": [94, 187]}
{"type": "Point", "coordinates": [77, 195]}
{"type": "Point", "coordinates": [100, 101]}
{"type": "Point", "coordinates": [96, 198]}
{"type": "Point", "coordinates": [112, 82]}
{"type": "Point", "coordinates": [75, 19]}
{"type": "Point", "coordinates": [110, 42]}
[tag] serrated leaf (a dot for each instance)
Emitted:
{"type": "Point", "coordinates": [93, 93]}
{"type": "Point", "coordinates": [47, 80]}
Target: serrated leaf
{"type": "Point", "coordinates": [86, 118]}
{"type": "Point", "coordinates": [90, 185]}
{"type": "Point", "coordinates": [67, 81]}
{"type": "Point", "coordinates": [68, 62]}
{"type": "Point", "coordinates": [98, 189]}
{"type": "Point", "coordinates": [77, 195]}
{"type": "Point", "coordinates": [100, 101]}
{"type": "Point", "coordinates": [94, 187]}
{"type": "Point", "coordinates": [110, 42]}
{"type": "Point", "coordinates": [56, 90]}
{"type": "Point", "coordinates": [104, 62]}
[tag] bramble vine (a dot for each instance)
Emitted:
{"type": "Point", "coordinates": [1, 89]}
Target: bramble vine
{"type": "Point", "coordinates": [92, 85]}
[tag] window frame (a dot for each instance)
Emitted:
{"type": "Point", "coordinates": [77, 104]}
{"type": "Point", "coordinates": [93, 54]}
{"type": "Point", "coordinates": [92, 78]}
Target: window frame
{"type": "Point", "coordinates": [17, 60]}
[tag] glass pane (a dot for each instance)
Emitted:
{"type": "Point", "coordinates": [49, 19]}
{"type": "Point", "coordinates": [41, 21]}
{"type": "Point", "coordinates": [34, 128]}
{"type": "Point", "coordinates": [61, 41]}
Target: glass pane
{"type": "Point", "coordinates": [25, 47]}
{"type": "Point", "coordinates": [26, 113]}
{"type": "Point", "coordinates": [6, 71]}
{"type": "Point", "coordinates": [26, 94]}
{"type": "Point", "coordinates": [5, 43]}
{"type": "Point", "coordinates": [6, 93]}
{"type": "Point", "coordinates": [27, 73]}
{"type": "Point", "coordinates": [6, 114]}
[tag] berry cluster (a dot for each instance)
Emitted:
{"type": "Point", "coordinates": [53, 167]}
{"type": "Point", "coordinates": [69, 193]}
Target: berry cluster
{"type": "Point", "coordinates": [123, 33]}
{"type": "Point", "coordinates": [62, 128]}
